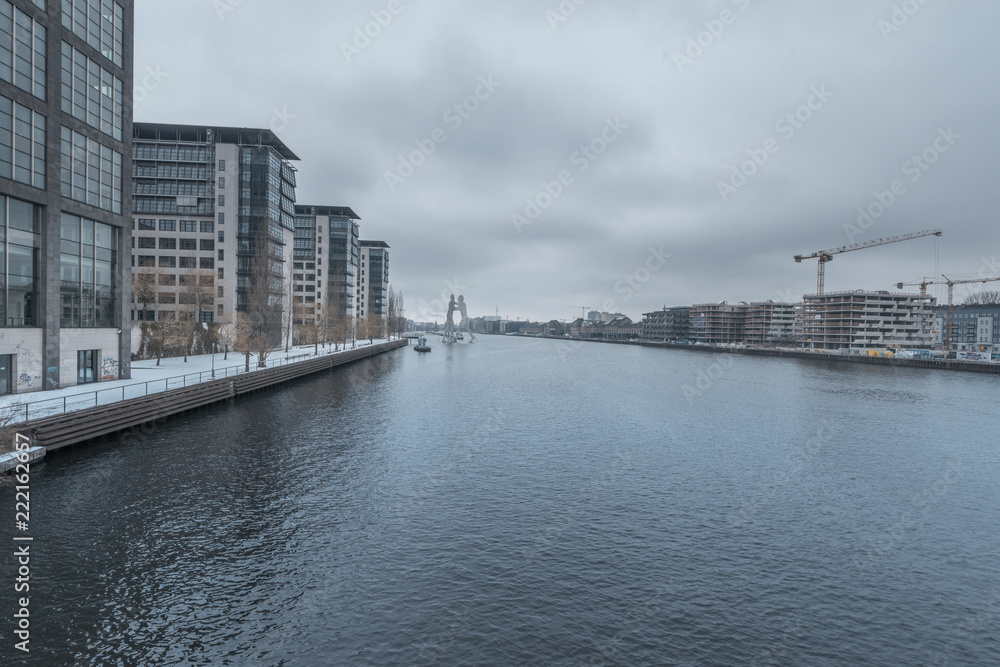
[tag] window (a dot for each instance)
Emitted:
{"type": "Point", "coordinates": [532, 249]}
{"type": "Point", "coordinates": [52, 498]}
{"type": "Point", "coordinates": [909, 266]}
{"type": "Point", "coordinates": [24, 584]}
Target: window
{"type": "Point", "coordinates": [222, 182]}
{"type": "Point", "coordinates": [222, 255]}
{"type": "Point", "coordinates": [222, 200]}
{"type": "Point", "coordinates": [168, 244]}
{"type": "Point", "coordinates": [147, 260]}
{"type": "Point", "coordinates": [168, 225]}
{"type": "Point", "coordinates": [207, 226]}
{"type": "Point", "coordinates": [167, 262]}
{"type": "Point", "coordinates": [90, 171]}
{"type": "Point", "coordinates": [188, 263]}
{"type": "Point", "coordinates": [219, 308]}
{"type": "Point", "coordinates": [222, 236]}
{"type": "Point", "coordinates": [221, 292]}
{"type": "Point", "coordinates": [97, 22]}
{"type": "Point", "coordinates": [149, 242]}
{"type": "Point", "coordinates": [22, 50]}
{"type": "Point", "coordinates": [189, 225]}
{"type": "Point", "coordinates": [310, 276]}
{"type": "Point", "coordinates": [221, 273]}
{"type": "Point", "coordinates": [149, 225]}
{"type": "Point", "coordinates": [86, 366]}
{"type": "Point", "coordinates": [91, 93]}
{"type": "Point", "coordinates": [206, 263]}
{"type": "Point", "coordinates": [166, 297]}
{"type": "Point", "coordinates": [168, 280]}
{"type": "Point", "coordinates": [186, 281]}
{"type": "Point", "coordinates": [222, 166]}
{"type": "Point", "coordinates": [207, 317]}
{"type": "Point", "coordinates": [207, 244]}
{"type": "Point", "coordinates": [298, 265]}
{"type": "Point", "coordinates": [222, 218]}
{"type": "Point", "coordinates": [189, 244]}
{"type": "Point", "coordinates": [22, 141]}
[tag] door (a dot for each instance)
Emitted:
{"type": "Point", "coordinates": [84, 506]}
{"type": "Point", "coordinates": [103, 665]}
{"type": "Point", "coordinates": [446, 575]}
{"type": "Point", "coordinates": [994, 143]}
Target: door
{"type": "Point", "coordinates": [6, 374]}
{"type": "Point", "coordinates": [86, 361]}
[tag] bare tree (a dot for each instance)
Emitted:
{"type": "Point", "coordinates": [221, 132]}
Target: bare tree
{"type": "Point", "coordinates": [390, 309]}
{"type": "Point", "coordinates": [264, 296]}
{"type": "Point", "coordinates": [243, 339]}
{"type": "Point", "coordinates": [289, 299]}
{"type": "Point", "coordinates": [197, 294]}
{"type": "Point", "coordinates": [145, 285]}
{"type": "Point", "coordinates": [983, 298]}
{"type": "Point", "coordinates": [226, 335]}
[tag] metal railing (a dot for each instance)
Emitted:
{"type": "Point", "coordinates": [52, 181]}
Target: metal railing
{"type": "Point", "coordinates": [48, 408]}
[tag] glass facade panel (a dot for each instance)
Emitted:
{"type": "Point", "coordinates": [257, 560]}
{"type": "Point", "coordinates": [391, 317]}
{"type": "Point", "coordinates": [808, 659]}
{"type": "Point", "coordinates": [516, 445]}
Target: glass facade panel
{"type": "Point", "coordinates": [87, 273]}
{"type": "Point", "coordinates": [91, 93]}
{"type": "Point", "coordinates": [22, 144]}
{"type": "Point", "coordinates": [90, 172]}
{"type": "Point", "coordinates": [22, 50]}
{"type": "Point", "coordinates": [19, 263]}
{"type": "Point", "coordinates": [97, 22]}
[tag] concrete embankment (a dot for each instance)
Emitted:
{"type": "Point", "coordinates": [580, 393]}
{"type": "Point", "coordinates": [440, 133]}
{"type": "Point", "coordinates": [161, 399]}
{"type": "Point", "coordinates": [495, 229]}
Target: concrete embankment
{"type": "Point", "coordinates": [947, 365]}
{"type": "Point", "coordinates": [76, 427]}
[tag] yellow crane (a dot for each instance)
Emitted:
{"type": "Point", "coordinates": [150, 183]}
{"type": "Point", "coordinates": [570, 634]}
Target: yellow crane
{"type": "Point", "coordinates": [825, 256]}
{"type": "Point", "coordinates": [951, 295]}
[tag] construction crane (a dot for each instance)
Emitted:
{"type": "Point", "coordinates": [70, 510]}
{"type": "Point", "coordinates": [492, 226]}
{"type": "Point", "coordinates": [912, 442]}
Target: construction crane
{"type": "Point", "coordinates": [825, 256]}
{"type": "Point", "coordinates": [583, 312]}
{"type": "Point", "coordinates": [951, 296]}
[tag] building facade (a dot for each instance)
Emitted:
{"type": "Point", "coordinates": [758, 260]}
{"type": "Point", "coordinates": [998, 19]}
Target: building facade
{"type": "Point", "coordinates": [974, 328]}
{"type": "Point", "coordinates": [867, 320]}
{"type": "Point", "coordinates": [327, 260]}
{"type": "Point", "coordinates": [669, 324]}
{"type": "Point", "coordinates": [65, 188]}
{"type": "Point", "coordinates": [373, 284]}
{"type": "Point", "coordinates": [213, 221]}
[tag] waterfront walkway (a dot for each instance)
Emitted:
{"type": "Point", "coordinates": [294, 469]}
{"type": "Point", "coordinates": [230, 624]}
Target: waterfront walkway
{"type": "Point", "coordinates": [148, 378]}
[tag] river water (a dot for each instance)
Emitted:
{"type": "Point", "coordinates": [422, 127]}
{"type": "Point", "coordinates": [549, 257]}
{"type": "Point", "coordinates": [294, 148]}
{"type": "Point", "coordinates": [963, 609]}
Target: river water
{"type": "Point", "coordinates": [522, 501]}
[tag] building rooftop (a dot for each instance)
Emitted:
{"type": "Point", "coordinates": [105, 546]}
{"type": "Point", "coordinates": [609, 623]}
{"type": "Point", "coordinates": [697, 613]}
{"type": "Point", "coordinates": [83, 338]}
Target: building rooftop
{"type": "Point", "coordinates": [331, 211]}
{"type": "Point", "coordinates": [242, 136]}
{"type": "Point", "coordinates": [374, 244]}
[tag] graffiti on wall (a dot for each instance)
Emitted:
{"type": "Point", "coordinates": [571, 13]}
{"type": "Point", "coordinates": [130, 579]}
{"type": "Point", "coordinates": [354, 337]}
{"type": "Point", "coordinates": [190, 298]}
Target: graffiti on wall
{"type": "Point", "coordinates": [109, 368]}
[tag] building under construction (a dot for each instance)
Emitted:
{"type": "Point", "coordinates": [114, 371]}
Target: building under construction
{"type": "Point", "coordinates": [770, 323]}
{"type": "Point", "coordinates": [718, 323]}
{"type": "Point", "coordinates": [867, 320]}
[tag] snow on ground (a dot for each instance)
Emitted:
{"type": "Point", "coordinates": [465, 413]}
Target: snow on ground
{"type": "Point", "coordinates": [148, 378]}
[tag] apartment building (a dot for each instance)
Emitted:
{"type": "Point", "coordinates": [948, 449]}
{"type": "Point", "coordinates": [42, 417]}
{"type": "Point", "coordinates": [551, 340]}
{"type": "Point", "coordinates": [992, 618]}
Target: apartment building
{"type": "Point", "coordinates": [669, 324]}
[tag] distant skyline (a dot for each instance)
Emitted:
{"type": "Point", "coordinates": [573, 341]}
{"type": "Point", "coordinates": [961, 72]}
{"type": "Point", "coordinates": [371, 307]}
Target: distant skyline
{"type": "Point", "coordinates": [543, 156]}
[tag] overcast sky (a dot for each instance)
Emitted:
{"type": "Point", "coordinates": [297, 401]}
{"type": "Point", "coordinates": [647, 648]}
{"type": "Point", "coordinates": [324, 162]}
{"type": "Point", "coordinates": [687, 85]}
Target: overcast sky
{"type": "Point", "coordinates": [668, 98]}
